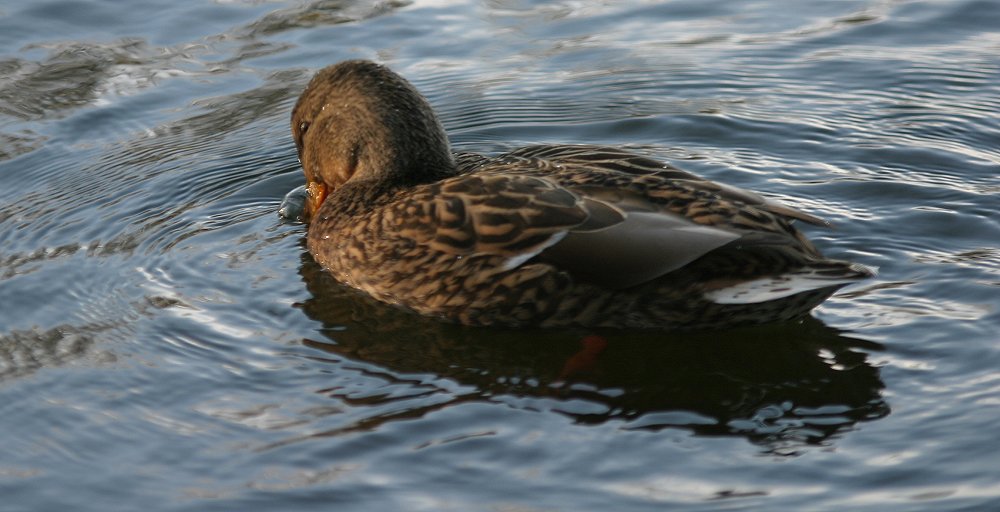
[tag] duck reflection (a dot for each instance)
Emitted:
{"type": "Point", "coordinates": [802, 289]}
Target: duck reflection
{"type": "Point", "coordinates": [781, 386]}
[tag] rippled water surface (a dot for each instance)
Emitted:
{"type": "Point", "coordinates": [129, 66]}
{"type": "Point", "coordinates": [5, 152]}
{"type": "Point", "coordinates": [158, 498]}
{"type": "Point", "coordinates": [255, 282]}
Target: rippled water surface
{"type": "Point", "coordinates": [166, 343]}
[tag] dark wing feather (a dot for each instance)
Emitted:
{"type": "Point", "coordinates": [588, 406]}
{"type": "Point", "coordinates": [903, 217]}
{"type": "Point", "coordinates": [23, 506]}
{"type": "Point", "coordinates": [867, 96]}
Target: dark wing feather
{"type": "Point", "coordinates": [643, 247]}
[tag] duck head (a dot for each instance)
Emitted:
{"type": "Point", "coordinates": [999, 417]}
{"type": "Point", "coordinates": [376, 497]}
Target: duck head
{"type": "Point", "coordinates": [359, 121]}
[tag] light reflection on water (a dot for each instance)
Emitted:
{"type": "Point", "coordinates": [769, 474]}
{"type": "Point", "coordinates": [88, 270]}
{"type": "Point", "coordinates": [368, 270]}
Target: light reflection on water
{"type": "Point", "coordinates": [165, 341]}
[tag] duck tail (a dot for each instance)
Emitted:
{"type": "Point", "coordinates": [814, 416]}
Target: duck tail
{"type": "Point", "coordinates": [827, 274]}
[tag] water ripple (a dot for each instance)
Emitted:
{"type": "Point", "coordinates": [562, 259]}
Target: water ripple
{"type": "Point", "coordinates": [151, 299]}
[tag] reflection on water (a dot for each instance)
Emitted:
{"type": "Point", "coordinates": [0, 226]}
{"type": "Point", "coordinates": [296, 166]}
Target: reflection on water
{"type": "Point", "coordinates": [22, 352]}
{"type": "Point", "coordinates": [781, 386]}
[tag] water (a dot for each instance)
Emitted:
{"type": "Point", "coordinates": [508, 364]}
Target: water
{"type": "Point", "coordinates": [167, 344]}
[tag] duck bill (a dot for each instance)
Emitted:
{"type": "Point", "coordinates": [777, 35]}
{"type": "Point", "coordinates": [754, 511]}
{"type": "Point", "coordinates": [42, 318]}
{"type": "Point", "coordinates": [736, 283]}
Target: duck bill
{"type": "Point", "coordinates": [315, 195]}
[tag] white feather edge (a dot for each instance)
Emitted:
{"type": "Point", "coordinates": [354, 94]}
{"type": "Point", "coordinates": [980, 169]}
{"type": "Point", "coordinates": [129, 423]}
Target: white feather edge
{"type": "Point", "coordinates": [775, 287]}
{"type": "Point", "coordinates": [517, 261]}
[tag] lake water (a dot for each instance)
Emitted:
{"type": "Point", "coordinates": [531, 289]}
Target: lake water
{"type": "Point", "coordinates": [166, 343]}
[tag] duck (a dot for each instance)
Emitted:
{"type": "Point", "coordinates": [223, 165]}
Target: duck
{"type": "Point", "coordinates": [549, 235]}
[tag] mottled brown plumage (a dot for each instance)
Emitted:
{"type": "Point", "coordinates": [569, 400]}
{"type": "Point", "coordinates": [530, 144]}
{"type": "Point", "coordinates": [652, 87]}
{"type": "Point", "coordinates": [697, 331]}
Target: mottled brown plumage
{"type": "Point", "coordinates": [543, 235]}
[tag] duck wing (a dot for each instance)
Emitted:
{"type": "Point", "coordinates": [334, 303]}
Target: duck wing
{"type": "Point", "coordinates": [611, 237]}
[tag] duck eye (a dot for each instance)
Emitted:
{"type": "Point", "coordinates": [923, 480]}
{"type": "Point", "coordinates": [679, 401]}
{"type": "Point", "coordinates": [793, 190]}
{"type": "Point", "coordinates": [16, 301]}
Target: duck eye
{"type": "Point", "coordinates": [303, 126]}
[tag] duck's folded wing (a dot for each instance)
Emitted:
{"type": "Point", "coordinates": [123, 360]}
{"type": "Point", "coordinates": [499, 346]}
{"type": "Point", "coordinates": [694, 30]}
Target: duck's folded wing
{"type": "Point", "coordinates": [522, 217]}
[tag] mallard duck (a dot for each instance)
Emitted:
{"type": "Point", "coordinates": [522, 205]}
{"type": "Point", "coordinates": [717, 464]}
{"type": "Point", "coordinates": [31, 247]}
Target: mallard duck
{"type": "Point", "coordinates": [547, 235]}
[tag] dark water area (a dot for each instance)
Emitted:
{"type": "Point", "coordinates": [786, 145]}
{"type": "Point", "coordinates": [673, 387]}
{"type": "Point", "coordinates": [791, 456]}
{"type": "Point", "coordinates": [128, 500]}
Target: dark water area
{"type": "Point", "coordinates": [166, 343]}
